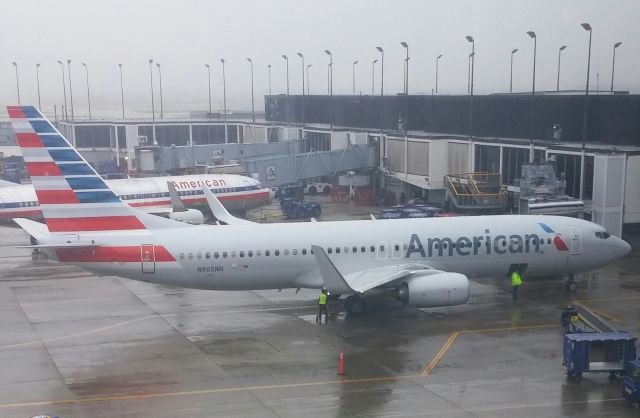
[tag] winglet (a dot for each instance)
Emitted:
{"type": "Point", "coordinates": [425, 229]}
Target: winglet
{"type": "Point", "coordinates": [219, 211]}
{"type": "Point", "coordinates": [176, 202]}
{"type": "Point", "coordinates": [334, 282]}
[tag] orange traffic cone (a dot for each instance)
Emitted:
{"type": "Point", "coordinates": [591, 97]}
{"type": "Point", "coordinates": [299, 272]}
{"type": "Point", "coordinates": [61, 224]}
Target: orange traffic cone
{"type": "Point", "coordinates": [341, 364]}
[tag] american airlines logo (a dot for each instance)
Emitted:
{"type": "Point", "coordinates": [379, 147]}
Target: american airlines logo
{"type": "Point", "coordinates": [198, 183]}
{"type": "Point", "coordinates": [485, 244]}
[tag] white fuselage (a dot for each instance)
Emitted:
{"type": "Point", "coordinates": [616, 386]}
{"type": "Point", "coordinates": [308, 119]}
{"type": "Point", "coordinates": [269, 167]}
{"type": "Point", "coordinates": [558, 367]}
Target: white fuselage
{"type": "Point", "coordinates": [273, 256]}
{"type": "Point", "coordinates": [151, 194]}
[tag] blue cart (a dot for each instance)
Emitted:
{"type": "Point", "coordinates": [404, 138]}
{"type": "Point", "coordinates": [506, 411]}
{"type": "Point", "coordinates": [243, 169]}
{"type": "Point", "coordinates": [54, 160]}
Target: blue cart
{"type": "Point", "coordinates": [610, 352]}
{"type": "Point", "coordinates": [631, 388]}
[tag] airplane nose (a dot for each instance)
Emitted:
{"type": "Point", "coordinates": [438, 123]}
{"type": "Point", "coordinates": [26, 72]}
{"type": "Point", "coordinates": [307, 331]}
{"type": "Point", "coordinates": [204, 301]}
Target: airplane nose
{"type": "Point", "coordinates": [625, 247]}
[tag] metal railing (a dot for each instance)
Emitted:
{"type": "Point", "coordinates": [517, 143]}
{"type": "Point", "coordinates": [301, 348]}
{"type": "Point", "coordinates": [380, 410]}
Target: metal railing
{"type": "Point", "coordinates": [476, 190]}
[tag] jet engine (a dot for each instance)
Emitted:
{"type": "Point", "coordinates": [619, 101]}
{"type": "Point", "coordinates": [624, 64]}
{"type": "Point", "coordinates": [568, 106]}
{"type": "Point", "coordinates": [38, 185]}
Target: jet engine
{"type": "Point", "coordinates": [434, 289]}
{"type": "Point", "coordinates": [190, 216]}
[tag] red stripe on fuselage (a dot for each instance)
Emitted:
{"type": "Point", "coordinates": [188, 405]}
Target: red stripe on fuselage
{"type": "Point", "coordinates": [43, 169]}
{"type": "Point", "coordinates": [15, 112]}
{"type": "Point", "coordinates": [53, 197]}
{"type": "Point", "coordinates": [29, 140]}
{"type": "Point", "coordinates": [124, 254]}
{"type": "Point", "coordinates": [98, 223]}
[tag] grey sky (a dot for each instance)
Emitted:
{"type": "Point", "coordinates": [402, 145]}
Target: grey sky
{"type": "Point", "coordinates": [183, 35]}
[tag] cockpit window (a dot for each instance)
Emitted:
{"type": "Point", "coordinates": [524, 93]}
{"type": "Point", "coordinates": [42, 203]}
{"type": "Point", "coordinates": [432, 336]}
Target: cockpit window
{"type": "Point", "coordinates": [603, 234]}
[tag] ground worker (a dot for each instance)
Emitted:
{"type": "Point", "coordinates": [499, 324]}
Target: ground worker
{"type": "Point", "coordinates": [516, 282]}
{"type": "Point", "coordinates": [322, 307]}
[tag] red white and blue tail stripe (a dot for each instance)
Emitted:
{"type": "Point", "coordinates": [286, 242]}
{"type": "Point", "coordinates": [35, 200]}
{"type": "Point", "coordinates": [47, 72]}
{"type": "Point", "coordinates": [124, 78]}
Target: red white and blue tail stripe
{"type": "Point", "coordinates": [72, 196]}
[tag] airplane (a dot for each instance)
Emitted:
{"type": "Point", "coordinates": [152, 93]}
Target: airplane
{"type": "Point", "coordinates": [151, 194]}
{"type": "Point", "coordinates": [423, 262]}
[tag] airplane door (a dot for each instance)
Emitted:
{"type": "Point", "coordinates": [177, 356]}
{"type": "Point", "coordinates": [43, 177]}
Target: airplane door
{"type": "Point", "coordinates": [576, 241]}
{"type": "Point", "coordinates": [148, 256]}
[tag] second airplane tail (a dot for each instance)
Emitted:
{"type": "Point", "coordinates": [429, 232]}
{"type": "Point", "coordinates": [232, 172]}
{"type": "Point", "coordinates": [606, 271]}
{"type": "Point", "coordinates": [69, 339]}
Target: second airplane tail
{"type": "Point", "coordinates": [72, 196]}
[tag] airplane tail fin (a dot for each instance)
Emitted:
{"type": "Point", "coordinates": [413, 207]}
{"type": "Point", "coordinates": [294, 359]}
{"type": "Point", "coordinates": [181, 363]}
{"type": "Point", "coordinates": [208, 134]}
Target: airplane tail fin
{"type": "Point", "coordinates": [72, 196]}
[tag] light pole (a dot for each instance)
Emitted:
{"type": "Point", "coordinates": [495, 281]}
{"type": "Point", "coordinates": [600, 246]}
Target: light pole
{"type": "Point", "coordinates": [613, 65]}
{"type": "Point", "coordinates": [224, 101]}
{"type": "Point", "coordinates": [253, 109]}
{"type": "Point", "coordinates": [153, 106]}
{"type": "Point", "coordinates": [308, 66]}
{"type": "Point", "coordinates": [472, 59]}
{"type": "Point", "coordinates": [437, 62]}
{"type": "Point", "coordinates": [209, 79]}
{"type": "Point", "coordinates": [302, 58]}
{"type": "Point", "coordinates": [373, 76]}
{"type": "Point", "coordinates": [86, 69]}
{"type": "Point", "coordinates": [15, 65]}
{"type": "Point", "coordinates": [70, 94]}
{"type": "Point", "coordinates": [284, 57]}
{"type": "Point", "coordinates": [562, 48]}
{"type": "Point", "coordinates": [532, 35]}
{"type": "Point", "coordinates": [121, 90]}
{"type": "Point", "coordinates": [472, 62]}
{"type": "Point", "coordinates": [326, 51]}
{"type": "Point", "coordinates": [269, 67]}
{"type": "Point", "coordinates": [38, 83]}
{"type": "Point", "coordinates": [513, 51]}
{"type": "Point", "coordinates": [160, 79]}
{"type": "Point", "coordinates": [353, 71]}
{"type": "Point", "coordinates": [406, 68]}
{"type": "Point", "coordinates": [381, 70]}
{"type": "Point", "coordinates": [64, 91]}
{"type": "Point", "coordinates": [586, 27]}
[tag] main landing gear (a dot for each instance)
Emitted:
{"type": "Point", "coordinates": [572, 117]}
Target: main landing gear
{"type": "Point", "coordinates": [571, 286]}
{"type": "Point", "coordinates": [354, 305]}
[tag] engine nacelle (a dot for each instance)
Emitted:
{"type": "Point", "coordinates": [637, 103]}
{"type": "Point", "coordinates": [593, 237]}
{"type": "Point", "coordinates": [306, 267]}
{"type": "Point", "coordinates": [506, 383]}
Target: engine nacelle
{"type": "Point", "coordinates": [190, 216]}
{"type": "Point", "coordinates": [431, 290]}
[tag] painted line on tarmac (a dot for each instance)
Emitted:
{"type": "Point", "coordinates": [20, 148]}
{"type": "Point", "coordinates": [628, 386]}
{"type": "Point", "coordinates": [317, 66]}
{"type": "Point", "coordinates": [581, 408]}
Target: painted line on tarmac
{"type": "Point", "coordinates": [607, 299]}
{"type": "Point", "coordinates": [204, 391]}
{"type": "Point", "coordinates": [443, 350]}
{"type": "Point", "coordinates": [454, 335]}
{"type": "Point", "coordinates": [78, 334]}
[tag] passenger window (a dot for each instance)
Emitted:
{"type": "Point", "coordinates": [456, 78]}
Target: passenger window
{"type": "Point", "coordinates": [346, 250]}
{"type": "Point", "coordinates": [190, 256]}
{"type": "Point", "coordinates": [381, 248]}
{"type": "Point", "coordinates": [267, 253]}
{"type": "Point", "coordinates": [286, 252]}
{"type": "Point", "coordinates": [241, 253]}
{"type": "Point", "coordinates": [233, 254]}
{"type": "Point", "coordinates": [276, 252]}
{"type": "Point", "coordinates": [362, 249]}
{"type": "Point", "coordinates": [224, 254]}
{"type": "Point", "coordinates": [250, 253]}
{"type": "Point", "coordinates": [207, 256]}
{"type": "Point", "coordinates": [397, 247]}
{"type": "Point", "coordinates": [295, 252]}
{"type": "Point", "coordinates": [199, 255]}
{"type": "Point", "coordinates": [373, 249]}
{"type": "Point", "coordinates": [304, 251]}
{"type": "Point", "coordinates": [354, 250]}
{"type": "Point", "coordinates": [181, 256]}
{"type": "Point", "coordinates": [216, 255]}
{"type": "Point", "coordinates": [329, 250]}
{"type": "Point", "coordinates": [337, 250]}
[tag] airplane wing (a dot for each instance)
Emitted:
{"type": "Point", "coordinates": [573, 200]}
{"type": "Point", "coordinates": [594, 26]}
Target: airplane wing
{"type": "Point", "coordinates": [220, 212]}
{"type": "Point", "coordinates": [362, 280]}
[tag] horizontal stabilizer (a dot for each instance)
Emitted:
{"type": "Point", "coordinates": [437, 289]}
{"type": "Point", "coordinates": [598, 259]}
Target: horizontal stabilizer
{"type": "Point", "coordinates": [61, 245]}
{"type": "Point", "coordinates": [36, 229]}
{"type": "Point", "coordinates": [5, 183]}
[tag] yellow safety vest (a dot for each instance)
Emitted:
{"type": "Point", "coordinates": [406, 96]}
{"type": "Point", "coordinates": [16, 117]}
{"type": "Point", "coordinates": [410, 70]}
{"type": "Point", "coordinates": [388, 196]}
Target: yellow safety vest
{"type": "Point", "coordinates": [516, 280]}
{"type": "Point", "coordinates": [323, 299]}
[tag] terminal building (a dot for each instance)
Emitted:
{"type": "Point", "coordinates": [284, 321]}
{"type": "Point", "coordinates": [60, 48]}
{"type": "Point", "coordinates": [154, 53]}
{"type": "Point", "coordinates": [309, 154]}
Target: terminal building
{"type": "Point", "coordinates": [410, 146]}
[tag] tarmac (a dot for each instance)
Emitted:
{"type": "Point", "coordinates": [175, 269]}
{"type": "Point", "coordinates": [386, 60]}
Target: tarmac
{"type": "Point", "coordinates": [76, 345]}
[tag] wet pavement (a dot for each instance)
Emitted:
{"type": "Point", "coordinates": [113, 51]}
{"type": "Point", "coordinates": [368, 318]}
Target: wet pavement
{"type": "Point", "coordinates": [76, 345]}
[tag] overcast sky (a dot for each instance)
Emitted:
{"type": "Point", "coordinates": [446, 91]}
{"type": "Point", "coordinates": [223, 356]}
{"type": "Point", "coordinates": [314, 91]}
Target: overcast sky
{"type": "Point", "coordinates": [184, 35]}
